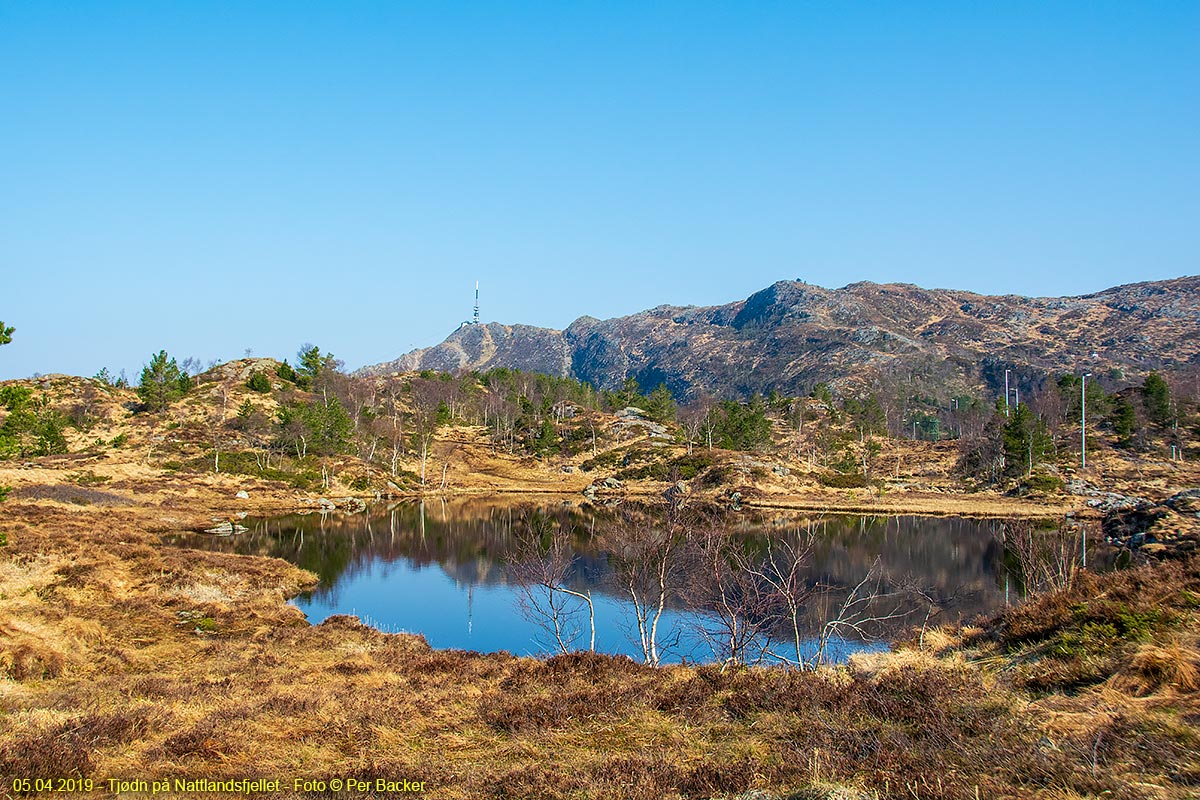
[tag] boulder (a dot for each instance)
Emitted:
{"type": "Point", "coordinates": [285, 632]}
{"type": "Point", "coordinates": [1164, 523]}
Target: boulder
{"type": "Point", "coordinates": [676, 492]}
{"type": "Point", "coordinates": [1185, 502]}
{"type": "Point", "coordinates": [226, 529]}
{"type": "Point", "coordinates": [242, 495]}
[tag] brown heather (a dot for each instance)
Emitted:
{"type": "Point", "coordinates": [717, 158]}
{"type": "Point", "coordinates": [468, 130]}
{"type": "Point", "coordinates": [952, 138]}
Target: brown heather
{"type": "Point", "coordinates": [121, 657]}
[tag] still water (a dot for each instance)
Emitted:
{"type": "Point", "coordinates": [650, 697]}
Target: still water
{"type": "Point", "coordinates": [451, 572]}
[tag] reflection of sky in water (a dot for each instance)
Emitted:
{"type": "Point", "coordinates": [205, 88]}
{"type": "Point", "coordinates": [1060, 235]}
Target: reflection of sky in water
{"type": "Point", "coordinates": [400, 597]}
{"type": "Point", "coordinates": [444, 576]}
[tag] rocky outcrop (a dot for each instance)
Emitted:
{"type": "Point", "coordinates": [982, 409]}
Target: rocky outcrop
{"type": "Point", "coordinates": [792, 335]}
{"type": "Point", "coordinates": [1169, 528]}
{"type": "Point", "coordinates": [481, 347]}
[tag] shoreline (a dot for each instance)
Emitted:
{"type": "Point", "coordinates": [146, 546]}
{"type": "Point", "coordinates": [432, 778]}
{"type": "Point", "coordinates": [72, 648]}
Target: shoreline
{"type": "Point", "coordinates": [915, 504]}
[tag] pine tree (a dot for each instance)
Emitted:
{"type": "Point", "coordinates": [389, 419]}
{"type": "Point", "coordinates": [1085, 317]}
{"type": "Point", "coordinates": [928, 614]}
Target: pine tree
{"type": "Point", "coordinates": [1025, 441]}
{"type": "Point", "coordinates": [162, 382]}
{"type": "Point", "coordinates": [1124, 421]}
{"type": "Point", "coordinates": [660, 405]}
{"type": "Point", "coordinates": [5, 333]}
{"type": "Point", "coordinates": [1157, 397]}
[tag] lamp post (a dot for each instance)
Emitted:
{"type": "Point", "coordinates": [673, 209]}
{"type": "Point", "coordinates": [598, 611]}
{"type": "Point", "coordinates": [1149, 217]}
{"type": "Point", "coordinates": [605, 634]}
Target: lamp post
{"type": "Point", "coordinates": [1083, 451]}
{"type": "Point", "coordinates": [1083, 421]}
{"type": "Point", "coordinates": [1006, 393]}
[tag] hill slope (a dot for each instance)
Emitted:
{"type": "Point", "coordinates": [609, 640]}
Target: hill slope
{"type": "Point", "coordinates": [792, 335]}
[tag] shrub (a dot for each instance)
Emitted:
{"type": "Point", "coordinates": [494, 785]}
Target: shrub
{"type": "Point", "coordinates": [88, 478]}
{"type": "Point", "coordinates": [685, 467]}
{"type": "Point", "coordinates": [32, 427]}
{"type": "Point", "coordinates": [841, 480]}
{"type": "Point", "coordinates": [259, 382]}
{"type": "Point", "coordinates": [285, 372]}
{"type": "Point", "coordinates": [1041, 483]}
{"type": "Point", "coordinates": [604, 460]}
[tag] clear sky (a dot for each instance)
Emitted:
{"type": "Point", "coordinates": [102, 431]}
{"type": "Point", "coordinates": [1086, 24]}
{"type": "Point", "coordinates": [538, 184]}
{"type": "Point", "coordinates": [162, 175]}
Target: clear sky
{"type": "Point", "coordinates": [208, 177]}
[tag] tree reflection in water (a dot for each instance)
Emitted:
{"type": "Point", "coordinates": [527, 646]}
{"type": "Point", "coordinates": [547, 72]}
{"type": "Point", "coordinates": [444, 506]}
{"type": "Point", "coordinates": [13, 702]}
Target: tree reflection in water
{"type": "Point", "coordinates": [451, 571]}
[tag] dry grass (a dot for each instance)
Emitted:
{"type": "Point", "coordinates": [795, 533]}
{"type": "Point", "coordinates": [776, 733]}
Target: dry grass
{"type": "Point", "coordinates": [1156, 667]}
{"type": "Point", "coordinates": [123, 657]}
{"type": "Point", "coordinates": [139, 687]}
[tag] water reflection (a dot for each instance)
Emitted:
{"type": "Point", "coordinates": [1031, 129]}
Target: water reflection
{"type": "Point", "coordinates": [446, 570]}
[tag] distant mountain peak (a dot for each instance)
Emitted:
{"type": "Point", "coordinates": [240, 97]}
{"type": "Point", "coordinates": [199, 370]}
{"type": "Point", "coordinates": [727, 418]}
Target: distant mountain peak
{"type": "Point", "coordinates": [792, 335]}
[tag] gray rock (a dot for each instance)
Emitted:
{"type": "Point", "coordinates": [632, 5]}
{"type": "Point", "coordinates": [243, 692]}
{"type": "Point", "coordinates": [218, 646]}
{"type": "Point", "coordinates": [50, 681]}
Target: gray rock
{"type": "Point", "coordinates": [243, 495]}
{"type": "Point", "coordinates": [1185, 502]}
{"type": "Point", "coordinates": [612, 483]}
{"type": "Point", "coordinates": [830, 791]}
{"type": "Point", "coordinates": [226, 529]}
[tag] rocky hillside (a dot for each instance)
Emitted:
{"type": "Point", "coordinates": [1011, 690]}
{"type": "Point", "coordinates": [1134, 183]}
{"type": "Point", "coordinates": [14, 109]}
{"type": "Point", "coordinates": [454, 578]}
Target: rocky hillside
{"type": "Point", "coordinates": [792, 335]}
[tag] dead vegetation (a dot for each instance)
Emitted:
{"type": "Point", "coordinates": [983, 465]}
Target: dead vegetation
{"type": "Point", "coordinates": [123, 657]}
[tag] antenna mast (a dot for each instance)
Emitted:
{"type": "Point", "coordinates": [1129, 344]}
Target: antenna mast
{"type": "Point", "coordinates": [476, 321]}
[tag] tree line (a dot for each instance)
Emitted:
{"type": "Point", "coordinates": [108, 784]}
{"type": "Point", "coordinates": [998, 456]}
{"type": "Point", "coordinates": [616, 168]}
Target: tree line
{"type": "Point", "coordinates": [324, 413]}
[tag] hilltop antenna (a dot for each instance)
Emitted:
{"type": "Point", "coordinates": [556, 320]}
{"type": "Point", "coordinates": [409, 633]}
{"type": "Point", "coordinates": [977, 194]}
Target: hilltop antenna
{"type": "Point", "coordinates": [476, 319]}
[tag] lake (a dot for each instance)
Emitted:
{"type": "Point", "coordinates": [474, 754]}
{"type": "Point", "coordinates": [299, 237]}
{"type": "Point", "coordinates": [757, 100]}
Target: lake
{"type": "Point", "coordinates": [458, 573]}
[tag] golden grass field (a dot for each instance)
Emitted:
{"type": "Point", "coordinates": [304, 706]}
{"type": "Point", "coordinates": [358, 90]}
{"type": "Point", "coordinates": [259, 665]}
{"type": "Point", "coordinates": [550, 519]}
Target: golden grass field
{"type": "Point", "coordinates": [122, 658]}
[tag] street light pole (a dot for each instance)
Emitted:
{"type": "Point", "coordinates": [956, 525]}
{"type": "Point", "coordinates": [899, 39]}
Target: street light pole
{"type": "Point", "coordinates": [1083, 451]}
{"type": "Point", "coordinates": [1083, 421]}
{"type": "Point", "coordinates": [1006, 393]}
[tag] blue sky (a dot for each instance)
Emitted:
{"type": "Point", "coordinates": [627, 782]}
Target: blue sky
{"type": "Point", "coordinates": [208, 177]}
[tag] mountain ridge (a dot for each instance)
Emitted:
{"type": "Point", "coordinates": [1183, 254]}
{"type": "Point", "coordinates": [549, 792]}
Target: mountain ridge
{"type": "Point", "coordinates": [791, 335]}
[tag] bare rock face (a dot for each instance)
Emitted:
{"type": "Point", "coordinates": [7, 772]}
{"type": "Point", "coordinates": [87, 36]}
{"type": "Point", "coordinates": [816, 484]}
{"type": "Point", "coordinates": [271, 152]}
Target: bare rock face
{"type": "Point", "coordinates": [793, 335]}
{"type": "Point", "coordinates": [482, 347]}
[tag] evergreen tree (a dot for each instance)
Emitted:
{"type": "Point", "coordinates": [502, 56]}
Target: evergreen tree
{"type": "Point", "coordinates": [1156, 396]}
{"type": "Point", "coordinates": [330, 425]}
{"type": "Point", "coordinates": [742, 427]}
{"type": "Point", "coordinates": [1025, 441]}
{"type": "Point", "coordinates": [312, 362]}
{"type": "Point", "coordinates": [546, 440]}
{"type": "Point", "coordinates": [5, 333]}
{"type": "Point", "coordinates": [1124, 421]}
{"type": "Point", "coordinates": [32, 427]}
{"type": "Point", "coordinates": [660, 406]}
{"type": "Point", "coordinates": [630, 394]}
{"type": "Point", "coordinates": [162, 382]}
